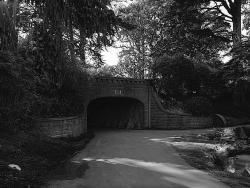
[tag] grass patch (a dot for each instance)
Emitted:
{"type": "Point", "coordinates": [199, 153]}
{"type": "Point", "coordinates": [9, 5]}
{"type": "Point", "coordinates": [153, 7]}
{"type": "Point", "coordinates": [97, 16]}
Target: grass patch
{"type": "Point", "coordinates": [36, 154]}
{"type": "Point", "coordinates": [195, 158]}
{"type": "Point", "coordinates": [200, 158]}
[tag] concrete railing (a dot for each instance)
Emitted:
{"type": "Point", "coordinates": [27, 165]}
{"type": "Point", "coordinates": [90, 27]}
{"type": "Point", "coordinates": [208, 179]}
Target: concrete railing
{"type": "Point", "coordinates": [62, 127]}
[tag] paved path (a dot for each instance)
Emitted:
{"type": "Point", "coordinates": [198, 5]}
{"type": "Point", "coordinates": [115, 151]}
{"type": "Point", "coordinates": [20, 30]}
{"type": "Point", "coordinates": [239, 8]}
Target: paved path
{"type": "Point", "coordinates": [134, 159]}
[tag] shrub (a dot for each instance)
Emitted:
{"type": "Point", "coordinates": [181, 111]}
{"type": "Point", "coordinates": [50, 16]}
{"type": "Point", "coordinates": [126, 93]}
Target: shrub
{"type": "Point", "coordinates": [16, 96]}
{"type": "Point", "coordinates": [219, 160]}
{"type": "Point", "coordinates": [27, 93]}
{"type": "Point", "coordinates": [66, 98]}
{"type": "Point", "coordinates": [200, 106]}
{"type": "Point", "coordinates": [51, 149]}
{"type": "Point", "coordinates": [175, 72]}
{"type": "Point", "coordinates": [34, 153]}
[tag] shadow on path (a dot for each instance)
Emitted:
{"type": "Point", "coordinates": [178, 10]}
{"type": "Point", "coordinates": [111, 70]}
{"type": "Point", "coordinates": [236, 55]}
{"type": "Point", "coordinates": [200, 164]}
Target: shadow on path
{"type": "Point", "coordinates": [132, 159]}
{"type": "Point", "coordinates": [177, 174]}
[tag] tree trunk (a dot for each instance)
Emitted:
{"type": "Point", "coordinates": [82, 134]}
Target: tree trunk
{"type": "Point", "coordinates": [13, 7]}
{"type": "Point", "coordinates": [236, 17]}
{"type": "Point", "coordinates": [143, 58]}
{"type": "Point", "coordinates": [58, 64]}
{"type": "Point", "coordinates": [71, 43]}
{"type": "Point", "coordinates": [82, 46]}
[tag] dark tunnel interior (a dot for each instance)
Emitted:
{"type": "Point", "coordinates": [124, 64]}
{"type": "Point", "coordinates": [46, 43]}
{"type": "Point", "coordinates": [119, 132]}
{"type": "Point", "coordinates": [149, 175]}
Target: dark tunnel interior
{"type": "Point", "coordinates": [115, 113]}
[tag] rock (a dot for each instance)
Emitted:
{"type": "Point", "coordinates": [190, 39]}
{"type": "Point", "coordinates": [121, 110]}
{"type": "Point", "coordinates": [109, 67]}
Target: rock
{"type": "Point", "coordinates": [228, 132]}
{"type": "Point", "coordinates": [247, 131]}
{"type": "Point", "coordinates": [240, 133]}
{"type": "Point", "coordinates": [221, 150]}
{"type": "Point", "coordinates": [247, 150]}
{"type": "Point", "coordinates": [242, 164]}
{"type": "Point", "coordinates": [14, 167]}
{"type": "Point", "coordinates": [245, 172]}
{"type": "Point", "coordinates": [230, 165]}
{"type": "Point", "coordinates": [230, 169]}
{"type": "Point", "coordinates": [210, 164]}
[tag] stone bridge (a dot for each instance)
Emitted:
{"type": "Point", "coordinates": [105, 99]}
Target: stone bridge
{"type": "Point", "coordinates": [122, 94]}
{"type": "Point", "coordinates": [120, 103]}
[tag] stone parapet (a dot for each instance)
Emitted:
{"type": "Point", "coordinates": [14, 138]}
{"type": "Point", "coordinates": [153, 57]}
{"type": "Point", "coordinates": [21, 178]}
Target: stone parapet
{"type": "Point", "coordinates": [62, 127]}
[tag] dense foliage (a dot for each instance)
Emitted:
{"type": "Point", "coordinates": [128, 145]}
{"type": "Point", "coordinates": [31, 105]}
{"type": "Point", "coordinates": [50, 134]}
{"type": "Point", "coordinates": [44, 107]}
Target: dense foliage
{"type": "Point", "coordinates": [199, 106]}
{"type": "Point", "coordinates": [180, 45]}
{"type": "Point", "coordinates": [16, 91]}
{"type": "Point", "coordinates": [43, 45]}
{"type": "Point", "coordinates": [42, 57]}
{"type": "Point", "coordinates": [36, 155]}
{"type": "Point", "coordinates": [46, 47]}
{"type": "Point", "coordinates": [180, 78]}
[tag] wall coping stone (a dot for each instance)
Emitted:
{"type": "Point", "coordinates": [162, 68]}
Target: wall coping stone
{"type": "Point", "coordinates": [59, 118]}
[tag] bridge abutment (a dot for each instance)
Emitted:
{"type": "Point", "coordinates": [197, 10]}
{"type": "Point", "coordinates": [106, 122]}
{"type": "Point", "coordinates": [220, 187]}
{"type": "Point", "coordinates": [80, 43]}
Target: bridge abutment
{"type": "Point", "coordinates": [155, 116]}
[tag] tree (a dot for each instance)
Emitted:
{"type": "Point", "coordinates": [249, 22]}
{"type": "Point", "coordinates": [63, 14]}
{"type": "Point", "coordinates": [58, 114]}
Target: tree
{"type": "Point", "coordinates": [230, 10]}
{"type": "Point", "coordinates": [77, 26]}
{"type": "Point", "coordinates": [246, 20]}
{"type": "Point", "coordinates": [238, 68]}
{"type": "Point", "coordinates": [204, 19]}
{"type": "Point", "coordinates": [137, 44]}
{"type": "Point", "coordinates": [8, 35]}
{"type": "Point", "coordinates": [40, 70]}
{"type": "Point", "coordinates": [189, 31]}
{"type": "Point", "coordinates": [169, 27]}
{"type": "Point", "coordinates": [234, 11]}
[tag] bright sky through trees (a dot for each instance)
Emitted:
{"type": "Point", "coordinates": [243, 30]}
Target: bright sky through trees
{"type": "Point", "coordinates": [111, 54]}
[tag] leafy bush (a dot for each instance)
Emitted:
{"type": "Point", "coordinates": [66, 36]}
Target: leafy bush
{"type": "Point", "coordinates": [200, 106]}
{"type": "Point", "coordinates": [175, 72]}
{"type": "Point", "coordinates": [179, 77]}
{"type": "Point", "coordinates": [52, 150]}
{"type": "Point", "coordinates": [173, 105]}
{"type": "Point", "coordinates": [16, 91]}
{"type": "Point", "coordinates": [64, 99]}
{"type": "Point", "coordinates": [27, 92]}
{"type": "Point", "coordinates": [72, 90]}
{"type": "Point", "coordinates": [236, 75]}
{"type": "Point", "coordinates": [34, 153]}
{"type": "Point", "coordinates": [238, 67]}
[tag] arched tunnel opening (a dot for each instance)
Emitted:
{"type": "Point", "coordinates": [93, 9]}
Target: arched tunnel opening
{"type": "Point", "coordinates": [115, 113]}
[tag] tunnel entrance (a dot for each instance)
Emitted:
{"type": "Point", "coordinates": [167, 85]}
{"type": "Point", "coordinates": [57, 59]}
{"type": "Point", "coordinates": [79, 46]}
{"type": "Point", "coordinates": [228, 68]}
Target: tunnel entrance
{"type": "Point", "coordinates": [115, 113]}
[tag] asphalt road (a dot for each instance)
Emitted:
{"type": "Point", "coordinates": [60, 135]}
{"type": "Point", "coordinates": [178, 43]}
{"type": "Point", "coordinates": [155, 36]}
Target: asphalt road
{"type": "Point", "coordinates": [132, 159]}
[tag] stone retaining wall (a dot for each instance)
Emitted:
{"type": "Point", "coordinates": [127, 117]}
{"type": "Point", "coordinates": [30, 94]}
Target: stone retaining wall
{"type": "Point", "coordinates": [62, 127]}
{"type": "Point", "coordinates": [176, 121]}
{"type": "Point", "coordinates": [163, 119]}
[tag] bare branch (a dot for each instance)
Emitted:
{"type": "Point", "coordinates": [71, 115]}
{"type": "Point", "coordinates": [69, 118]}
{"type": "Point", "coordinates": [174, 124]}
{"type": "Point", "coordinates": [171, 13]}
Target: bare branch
{"type": "Point", "coordinates": [217, 6]}
{"type": "Point", "coordinates": [226, 6]}
{"type": "Point", "coordinates": [230, 3]}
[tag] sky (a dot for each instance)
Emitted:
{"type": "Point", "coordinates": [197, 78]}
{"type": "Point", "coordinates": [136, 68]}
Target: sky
{"type": "Point", "coordinates": [110, 56]}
